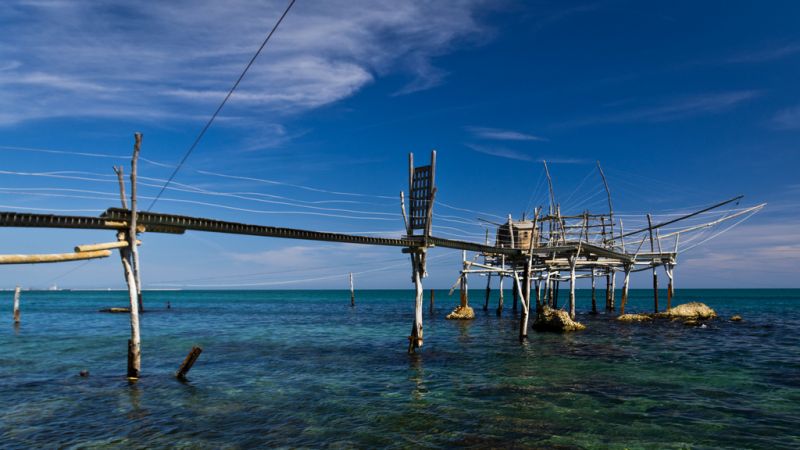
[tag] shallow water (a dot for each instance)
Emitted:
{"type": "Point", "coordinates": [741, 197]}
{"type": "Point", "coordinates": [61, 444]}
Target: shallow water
{"type": "Point", "coordinates": [303, 369]}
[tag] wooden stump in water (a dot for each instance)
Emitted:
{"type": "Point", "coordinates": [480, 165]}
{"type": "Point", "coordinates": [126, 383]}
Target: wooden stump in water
{"type": "Point", "coordinates": [188, 363]}
{"type": "Point", "coordinates": [16, 305]}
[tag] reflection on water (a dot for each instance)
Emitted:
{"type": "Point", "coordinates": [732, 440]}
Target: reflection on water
{"type": "Point", "coordinates": [303, 369]}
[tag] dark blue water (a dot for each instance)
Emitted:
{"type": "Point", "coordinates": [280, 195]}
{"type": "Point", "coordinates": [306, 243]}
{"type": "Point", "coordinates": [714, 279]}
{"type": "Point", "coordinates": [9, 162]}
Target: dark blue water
{"type": "Point", "coordinates": [303, 369]}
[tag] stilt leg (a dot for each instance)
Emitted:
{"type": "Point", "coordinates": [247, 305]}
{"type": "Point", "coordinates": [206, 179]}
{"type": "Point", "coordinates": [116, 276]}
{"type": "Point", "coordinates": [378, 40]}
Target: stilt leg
{"type": "Point", "coordinates": [625, 285]}
{"type": "Point", "coordinates": [415, 340]}
{"type": "Point", "coordinates": [488, 291]}
{"type": "Point", "coordinates": [572, 261]}
{"type": "Point", "coordinates": [594, 295]}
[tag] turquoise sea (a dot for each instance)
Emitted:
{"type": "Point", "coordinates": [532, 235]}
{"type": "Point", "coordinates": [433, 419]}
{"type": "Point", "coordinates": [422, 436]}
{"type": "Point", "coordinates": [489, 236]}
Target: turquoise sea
{"type": "Point", "coordinates": [304, 369]}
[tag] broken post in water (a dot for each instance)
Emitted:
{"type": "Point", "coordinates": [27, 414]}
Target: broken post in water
{"type": "Point", "coordinates": [187, 364]}
{"type": "Point", "coordinates": [352, 292]}
{"type": "Point", "coordinates": [16, 304]}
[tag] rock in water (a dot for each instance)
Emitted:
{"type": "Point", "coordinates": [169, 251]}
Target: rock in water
{"type": "Point", "coordinates": [692, 310]}
{"type": "Point", "coordinates": [634, 318]}
{"type": "Point", "coordinates": [555, 320]}
{"type": "Point", "coordinates": [736, 318]}
{"type": "Point", "coordinates": [461, 313]}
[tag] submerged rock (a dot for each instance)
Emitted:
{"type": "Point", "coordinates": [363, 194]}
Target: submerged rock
{"type": "Point", "coordinates": [555, 320]}
{"type": "Point", "coordinates": [690, 311]}
{"type": "Point", "coordinates": [736, 318]}
{"type": "Point", "coordinates": [116, 310]}
{"type": "Point", "coordinates": [634, 318]}
{"type": "Point", "coordinates": [461, 313]}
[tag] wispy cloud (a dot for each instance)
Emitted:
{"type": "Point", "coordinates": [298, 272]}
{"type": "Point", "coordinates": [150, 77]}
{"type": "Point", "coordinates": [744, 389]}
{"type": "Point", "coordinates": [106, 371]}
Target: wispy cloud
{"type": "Point", "coordinates": [508, 153]}
{"type": "Point", "coordinates": [671, 110]}
{"type": "Point", "coordinates": [766, 54]}
{"type": "Point", "coordinates": [165, 59]}
{"type": "Point", "coordinates": [502, 135]}
{"type": "Point", "coordinates": [787, 119]}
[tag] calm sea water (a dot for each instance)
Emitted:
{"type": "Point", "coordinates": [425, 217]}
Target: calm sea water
{"type": "Point", "coordinates": [303, 369]}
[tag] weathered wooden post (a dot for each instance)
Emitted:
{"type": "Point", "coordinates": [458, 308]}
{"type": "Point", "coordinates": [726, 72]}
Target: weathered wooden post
{"type": "Point", "coordinates": [352, 292]}
{"type": "Point", "coordinates": [16, 304]}
{"type": "Point", "coordinates": [557, 285]}
{"type": "Point", "coordinates": [613, 288]}
{"type": "Point", "coordinates": [431, 301]}
{"type": "Point", "coordinates": [514, 296]}
{"type": "Point", "coordinates": [655, 273]}
{"type": "Point", "coordinates": [572, 261]}
{"type": "Point", "coordinates": [608, 289]}
{"type": "Point", "coordinates": [464, 290]}
{"type": "Point", "coordinates": [523, 320]}
{"type": "Point", "coordinates": [188, 363]}
{"type": "Point", "coordinates": [415, 340]}
{"type": "Point", "coordinates": [422, 191]}
{"type": "Point", "coordinates": [125, 253]}
{"type": "Point", "coordinates": [625, 285]}
{"type": "Point", "coordinates": [133, 235]}
{"type": "Point", "coordinates": [500, 289]}
{"type": "Point", "coordinates": [488, 291]}
{"type": "Point", "coordinates": [670, 292]}
{"type": "Point", "coordinates": [594, 294]}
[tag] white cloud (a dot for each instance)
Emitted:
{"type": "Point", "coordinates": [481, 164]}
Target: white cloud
{"type": "Point", "coordinates": [673, 109]}
{"type": "Point", "coordinates": [503, 135]}
{"type": "Point", "coordinates": [787, 119]}
{"type": "Point", "coordinates": [163, 60]}
{"type": "Point", "coordinates": [508, 153]}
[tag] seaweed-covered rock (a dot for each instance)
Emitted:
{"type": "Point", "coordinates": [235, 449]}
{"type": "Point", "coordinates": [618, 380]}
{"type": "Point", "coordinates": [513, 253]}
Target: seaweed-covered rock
{"type": "Point", "coordinates": [690, 311]}
{"type": "Point", "coordinates": [461, 313]}
{"type": "Point", "coordinates": [555, 320]}
{"type": "Point", "coordinates": [116, 310]}
{"type": "Point", "coordinates": [634, 318]}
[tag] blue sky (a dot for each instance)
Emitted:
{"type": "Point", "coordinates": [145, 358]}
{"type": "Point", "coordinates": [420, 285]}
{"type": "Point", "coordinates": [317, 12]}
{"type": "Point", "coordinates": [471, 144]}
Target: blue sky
{"type": "Point", "coordinates": [684, 103]}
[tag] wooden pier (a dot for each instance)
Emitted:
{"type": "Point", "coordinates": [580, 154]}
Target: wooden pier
{"type": "Point", "coordinates": [535, 254]}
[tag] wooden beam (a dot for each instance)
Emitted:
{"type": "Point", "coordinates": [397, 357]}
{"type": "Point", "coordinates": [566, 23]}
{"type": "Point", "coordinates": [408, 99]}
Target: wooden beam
{"type": "Point", "coordinates": [103, 246]}
{"type": "Point", "coordinates": [52, 257]}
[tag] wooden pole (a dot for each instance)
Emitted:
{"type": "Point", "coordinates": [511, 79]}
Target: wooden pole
{"type": "Point", "coordinates": [608, 290]}
{"type": "Point", "coordinates": [555, 294]}
{"type": "Point", "coordinates": [572, 260]}
{"type": "Point", "coordinates": [613, 288]}
{"type": "Point", "coordinates": [464, 286]}
{"type": "Point", "coordinates": [500, 288]}
{"type": "Point", "coordinates": [352, 292]}
{"type": "Point", "coordinates": [670, 291]}
{"type": "Point", "coordinates": [488, 291]}
{"type": "Point", "coordinates": [53, 257]}
{"type": "Point", "coordinates": [103, 246]}
{"type": "Point", "coordinates": [132, 234]}
{"type": "Point", "coordinates": [431, 301]}
{"type": "Point", "coordinates": [188, 363]}
{"type": "Point", "coordinates": [415, 340]}
{"type": "Point", "coordinates": [16, 304]}
{"type": "Point", "coordinates": [594, 294]}
{"type": "Point", "coordinates": [119, 171]}
{"type": "Point", "coordinates": [625, 286]}
{"type": "Point", "coordinates": [655, 273]}
{"type": "Point", "coordinates": [514, 296]}
{"type": "Point", "coordinates": [523, 322]}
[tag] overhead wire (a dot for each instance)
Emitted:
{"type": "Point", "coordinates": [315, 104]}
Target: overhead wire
{"type": "Point", "coordinates": [222, 104]}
